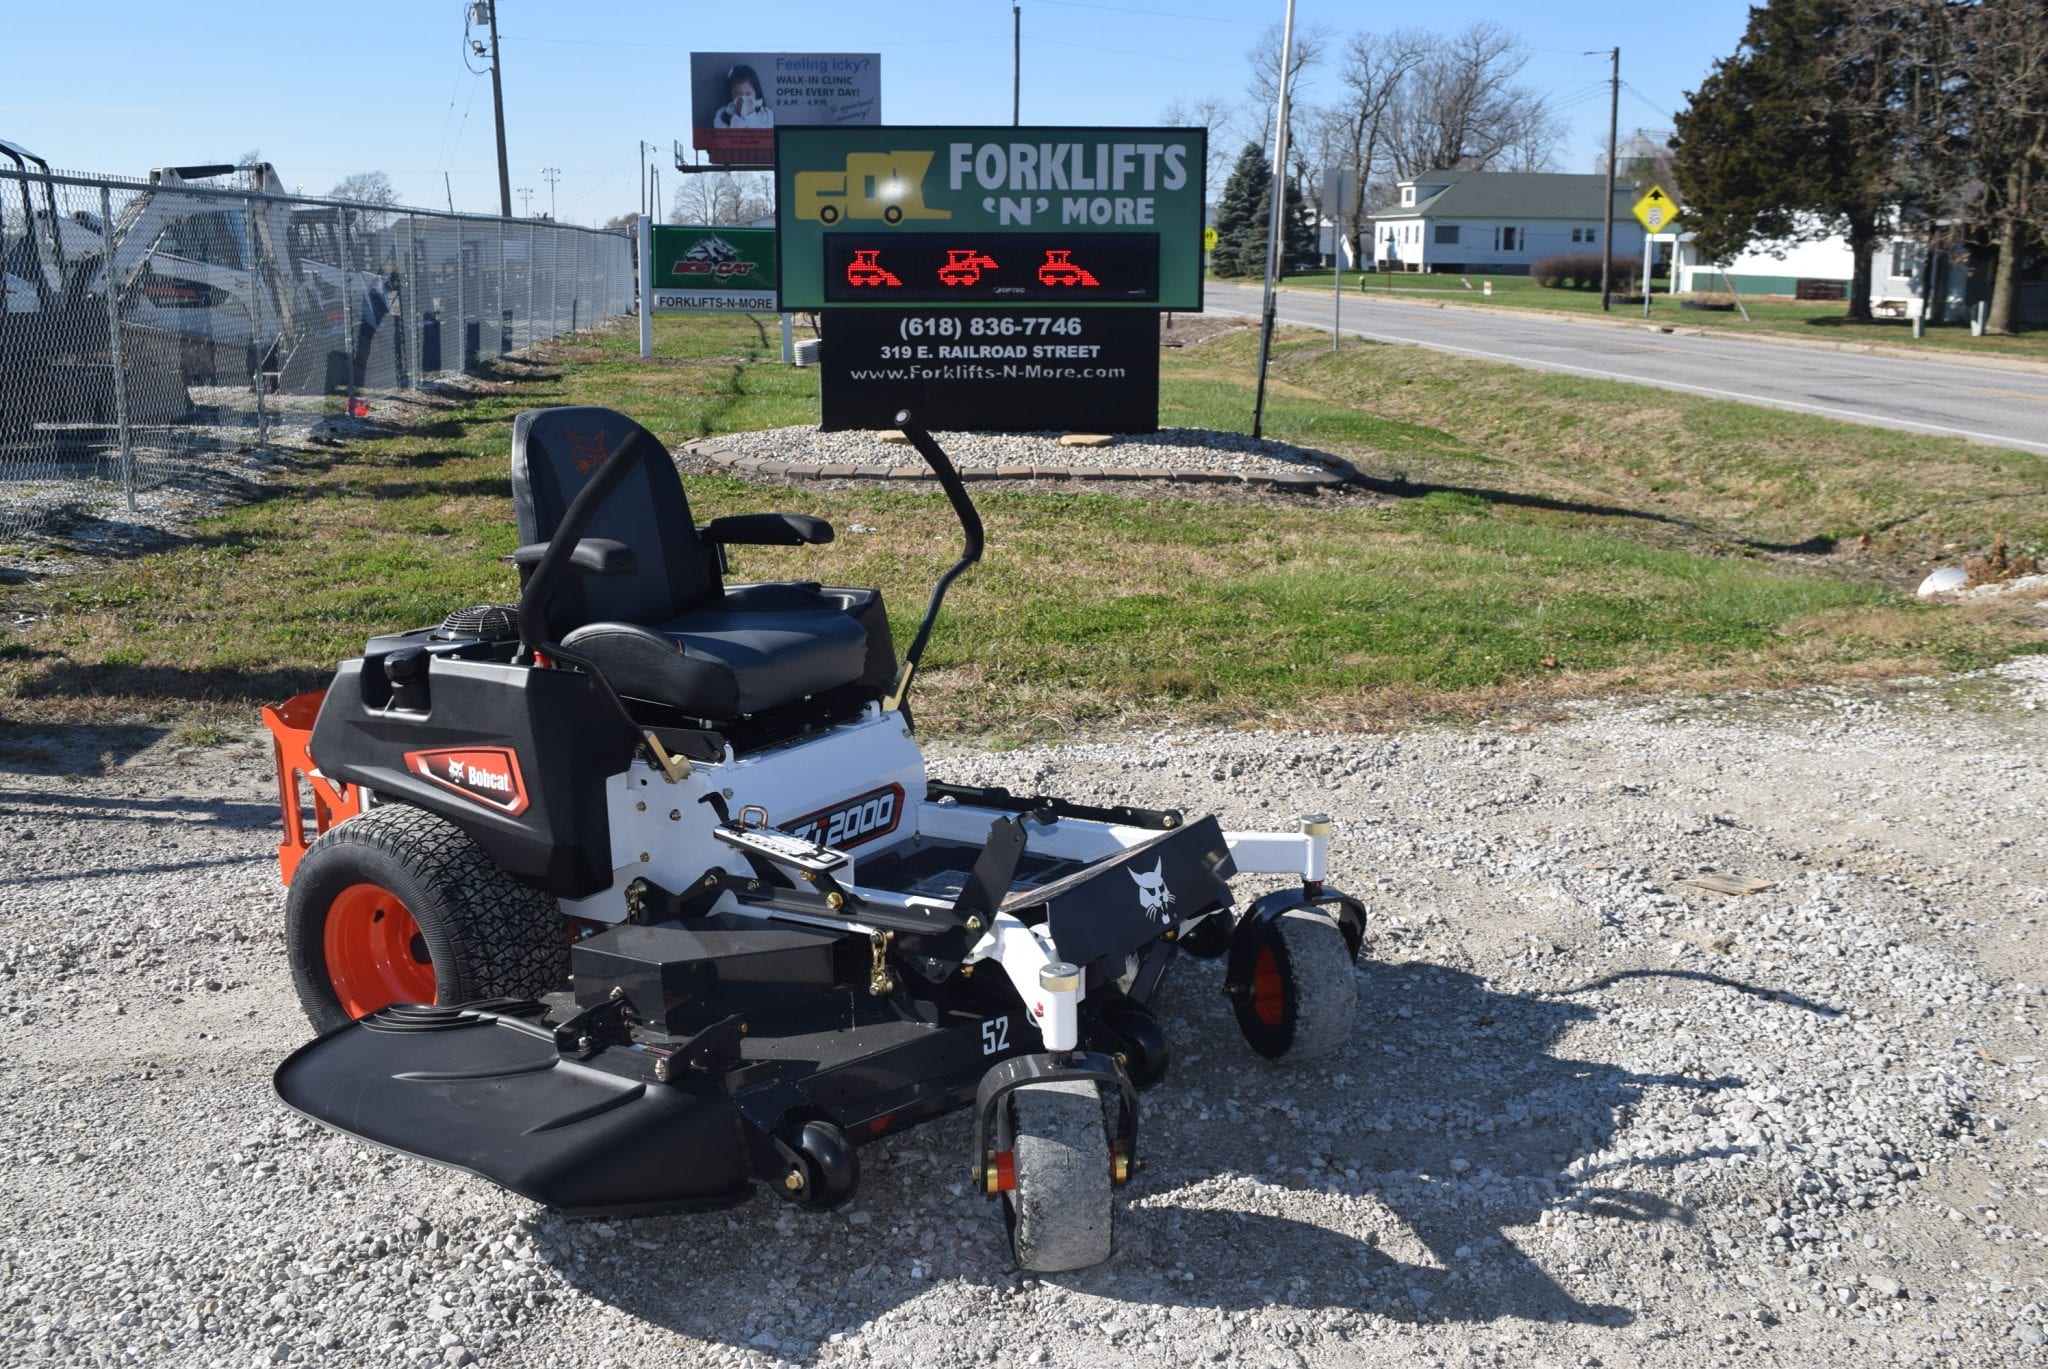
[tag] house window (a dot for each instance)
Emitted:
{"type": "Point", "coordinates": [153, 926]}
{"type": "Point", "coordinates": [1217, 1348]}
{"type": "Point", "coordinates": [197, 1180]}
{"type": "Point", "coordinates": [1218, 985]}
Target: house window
{"type": "Point", "coordinates": [1585, 235]}
{"type": "Point", "coordinates": [1407, 194]}
{"type": "Point", "coordinates": [1592, 235]}
{"type": "Point", "coordinates": [1447, 235]}
{"type": "Point", "coordinates": [1578, 235]}
{"type": "Point", "coordinates": [1506, 239]}
{"type": "Point", "coordinates": [1905, 258]}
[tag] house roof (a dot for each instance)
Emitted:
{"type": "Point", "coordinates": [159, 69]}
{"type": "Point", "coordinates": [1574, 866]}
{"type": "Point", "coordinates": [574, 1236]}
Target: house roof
{"type": "Point", "coordinates": [1513, 195]}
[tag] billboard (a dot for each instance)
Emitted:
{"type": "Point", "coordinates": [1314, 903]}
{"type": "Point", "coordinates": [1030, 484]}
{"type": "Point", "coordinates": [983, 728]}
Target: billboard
{"type": "Point", "coordinates": [1084, 217]}
{"type": "Point", "coordinates": [739, 99]}
{"type": "Point", "coordinates": [712, 270]}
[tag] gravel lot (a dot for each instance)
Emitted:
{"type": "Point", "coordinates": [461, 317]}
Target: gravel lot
{"type": "Point", "coordinates": [1590, 1114]}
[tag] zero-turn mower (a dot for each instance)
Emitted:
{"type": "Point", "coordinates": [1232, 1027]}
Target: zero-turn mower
{"type": "Point", "coordinates": [636, 894]}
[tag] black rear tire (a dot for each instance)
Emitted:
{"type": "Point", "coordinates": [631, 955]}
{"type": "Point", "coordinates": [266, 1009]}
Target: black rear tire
{"type": "Point", "coordinates": [483, 933]}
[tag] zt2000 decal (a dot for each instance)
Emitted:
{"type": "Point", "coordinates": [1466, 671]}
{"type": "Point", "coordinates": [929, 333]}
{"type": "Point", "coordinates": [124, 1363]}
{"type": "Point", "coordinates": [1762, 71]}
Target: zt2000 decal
{"type": "Point", "coordinates": [487, 774]}
{"type": "Point", "coordinates": [852, 821]}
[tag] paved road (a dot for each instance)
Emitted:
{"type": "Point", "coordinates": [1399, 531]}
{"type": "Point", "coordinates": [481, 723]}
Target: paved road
{"type": "Point", "coordinates": [2008, 408]}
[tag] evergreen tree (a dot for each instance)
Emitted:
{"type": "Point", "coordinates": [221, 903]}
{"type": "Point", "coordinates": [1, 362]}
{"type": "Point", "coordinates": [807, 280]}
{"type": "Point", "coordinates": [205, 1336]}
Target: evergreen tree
{"type": "Point", "coordinates": [1788, 139]}
{"type": "Point", "coordinates": [1241, 217]}
{"type": "Point", "coordinates": [1301, 247]}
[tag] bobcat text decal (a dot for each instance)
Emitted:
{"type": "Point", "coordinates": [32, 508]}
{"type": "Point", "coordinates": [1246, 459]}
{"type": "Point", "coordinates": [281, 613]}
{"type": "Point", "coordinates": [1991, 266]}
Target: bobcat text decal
{"type": "Point", "coordinates": [488, 775]}
{"type": "Point", "coordinates": [853, 821]}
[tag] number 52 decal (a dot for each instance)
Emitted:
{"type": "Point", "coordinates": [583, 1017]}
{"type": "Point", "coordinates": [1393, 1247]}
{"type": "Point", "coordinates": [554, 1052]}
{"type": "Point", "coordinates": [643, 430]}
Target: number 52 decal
{"type": "Point", "coordinates": [995, 1035]}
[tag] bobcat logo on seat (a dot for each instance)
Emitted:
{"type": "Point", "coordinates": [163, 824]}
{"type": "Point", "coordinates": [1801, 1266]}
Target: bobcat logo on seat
{"type": "Point", "coordinates": [1153, 895]}
{"type": "Point", "coordinates": [587, 452]}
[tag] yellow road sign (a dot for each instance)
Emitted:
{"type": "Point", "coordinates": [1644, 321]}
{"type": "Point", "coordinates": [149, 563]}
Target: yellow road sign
{"type": "Point", "coordinates": [1656, 210]}
{"type": "Point", "coordinates": [1209, 240]}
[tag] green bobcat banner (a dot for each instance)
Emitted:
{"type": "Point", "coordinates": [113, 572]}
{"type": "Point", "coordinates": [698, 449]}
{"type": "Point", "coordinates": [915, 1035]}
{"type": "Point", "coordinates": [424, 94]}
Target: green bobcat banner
{"type": "Point", "coordinates": [713, 271]}
{"type": "Point", "coordinates": [1073, 217]}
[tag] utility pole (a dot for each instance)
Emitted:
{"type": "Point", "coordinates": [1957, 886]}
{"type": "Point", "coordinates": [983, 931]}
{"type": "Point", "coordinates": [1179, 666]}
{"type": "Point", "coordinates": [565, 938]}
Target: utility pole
{"type": "Point", "coordinates": [486, 12]}
{"type": "Point", "coordinates": [551, 174]}
{"type": "Point", "coordinates": [1607, 210]}
{"type": "Point", "coordinates": [1016, 62]}
{"type": "Point", "coordinates": [525, 201]}
{"type": "Point", "coordinates": [1273, 228]}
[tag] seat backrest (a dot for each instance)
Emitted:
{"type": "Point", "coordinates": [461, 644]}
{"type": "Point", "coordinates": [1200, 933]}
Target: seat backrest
{"type": "Point", "coordinates": [555, 452]}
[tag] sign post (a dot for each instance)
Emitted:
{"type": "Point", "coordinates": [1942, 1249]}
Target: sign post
{"type": "Point", "coordinates": [646, 291]}
{"type": "Point", "coordinates": [1339, 186]}
{"type": "Point", "coordinates": [1656, 211]}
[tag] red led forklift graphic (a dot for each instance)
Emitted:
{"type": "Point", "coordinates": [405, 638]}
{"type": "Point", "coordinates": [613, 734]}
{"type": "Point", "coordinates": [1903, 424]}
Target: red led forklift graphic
{"type": "Point", "coordinates": [1059, 269]}
{"type": "Point", "coordinates": [866, 269]}
{"type": "Point", "coordinates": [964, 267]}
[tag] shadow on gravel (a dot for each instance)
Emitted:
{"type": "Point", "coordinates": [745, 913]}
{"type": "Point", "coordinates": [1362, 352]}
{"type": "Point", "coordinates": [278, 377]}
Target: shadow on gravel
{"type": "Point", "coordinates": [57, 749]}
{"type": "Point", "coordinates": [1438, 1134]}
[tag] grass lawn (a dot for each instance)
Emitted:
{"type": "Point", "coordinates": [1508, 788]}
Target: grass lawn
{"type": "Point", "coordinates": [1824, 321]}
{"type": "Point", "coordinates": [1521, 536]}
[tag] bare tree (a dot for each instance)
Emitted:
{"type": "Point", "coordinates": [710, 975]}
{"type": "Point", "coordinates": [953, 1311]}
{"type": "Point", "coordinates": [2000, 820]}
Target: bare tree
{"type": "Point", "coordinates": [723, 198]}
{"type": "Point", "coordinates": [1355, 133]}
{"type": "Point", "coordinates": [1459, 109]}
{"type": "Point", "coordinates": [365, 187]}
{"type": "Point", "coordinates": [1221, 117]}
{"type": "Point", "coordinates": [1311, 43]}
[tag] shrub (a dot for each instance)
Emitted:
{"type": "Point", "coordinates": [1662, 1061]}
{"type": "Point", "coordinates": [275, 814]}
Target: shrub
{"type": "Point", "coordinates": [1581, 271]}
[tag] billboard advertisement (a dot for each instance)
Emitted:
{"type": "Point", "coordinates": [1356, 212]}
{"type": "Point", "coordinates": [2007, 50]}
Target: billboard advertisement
{"type": "Point", "coordinates": [712, 271]}
{"type": "Point", "coordinates": [1081, 217]}
{"type": "Point", "coordinates": [739, 99]}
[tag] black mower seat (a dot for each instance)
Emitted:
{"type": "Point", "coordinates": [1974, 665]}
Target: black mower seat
{"type": "Point", "coordinates": [757, 648]}
{"type": "Point", "coordinates": [666, 628]}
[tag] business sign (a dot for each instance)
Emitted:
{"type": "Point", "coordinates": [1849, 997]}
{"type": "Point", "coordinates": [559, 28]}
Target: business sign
{"type": "Point", "coordinates": [994, 370]}
{"type": "Point", "coordinates": [739, 99]}
{"type": "Point", "coordinates": [713, 270]}
{"type": "Point", "coordinates": [1086, 217]}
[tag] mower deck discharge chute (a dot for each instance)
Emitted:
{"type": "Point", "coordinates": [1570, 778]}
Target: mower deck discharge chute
{"type": "Point", "coordinates": [636, 894]}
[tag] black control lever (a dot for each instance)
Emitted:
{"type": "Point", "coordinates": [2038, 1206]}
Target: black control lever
{"type": "Point", "coordinates": [970, 525]}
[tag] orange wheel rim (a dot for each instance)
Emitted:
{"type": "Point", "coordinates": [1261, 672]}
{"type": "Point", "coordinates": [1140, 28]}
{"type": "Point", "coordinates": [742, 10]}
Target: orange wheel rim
{"type": "Point", "coordinates": [1269, 990]}
{"type": "Point", "coordinates": [376, 955]}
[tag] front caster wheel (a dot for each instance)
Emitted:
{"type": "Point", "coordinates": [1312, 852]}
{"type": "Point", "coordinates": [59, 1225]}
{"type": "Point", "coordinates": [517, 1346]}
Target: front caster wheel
{"type": "Point", "coordinates": [1295, 993]}
{"type": "Point", "coordinates": [1059, 1209]}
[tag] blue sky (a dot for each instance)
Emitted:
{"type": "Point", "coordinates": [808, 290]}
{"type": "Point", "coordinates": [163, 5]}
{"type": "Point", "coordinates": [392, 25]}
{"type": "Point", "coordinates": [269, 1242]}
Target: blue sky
{"type": "Point", "coordinates": [326, 90]}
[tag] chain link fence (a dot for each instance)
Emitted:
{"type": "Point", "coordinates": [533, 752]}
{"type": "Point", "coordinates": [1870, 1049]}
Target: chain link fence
{"type": "Point", "coordinates": [155, 333]}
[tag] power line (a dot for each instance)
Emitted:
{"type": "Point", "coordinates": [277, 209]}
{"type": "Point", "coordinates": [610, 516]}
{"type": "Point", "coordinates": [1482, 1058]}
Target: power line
{"type": "Point", "coordinates": [1128, 52]}
{"type": "Point", "coordinates": [1157, 14]}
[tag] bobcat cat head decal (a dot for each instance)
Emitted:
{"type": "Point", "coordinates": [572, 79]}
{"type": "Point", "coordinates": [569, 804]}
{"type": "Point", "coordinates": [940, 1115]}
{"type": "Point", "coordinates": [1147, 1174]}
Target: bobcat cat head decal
{"type": "Point", "coordinates": [1153, 895]}
{"type": "Point", "coordinates": [587, 452]}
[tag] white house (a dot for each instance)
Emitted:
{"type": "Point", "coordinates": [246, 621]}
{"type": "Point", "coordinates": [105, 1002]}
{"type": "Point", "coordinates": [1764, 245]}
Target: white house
{"type": "Point", "coordinates": [1498, 222]}
{"type": "Point", "coordinates": [1823, 269]}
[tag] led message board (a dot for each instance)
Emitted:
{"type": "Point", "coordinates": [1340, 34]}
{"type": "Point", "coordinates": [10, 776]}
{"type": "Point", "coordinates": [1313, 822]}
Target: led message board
{"type": "Point", "coordinates": [990, 216]}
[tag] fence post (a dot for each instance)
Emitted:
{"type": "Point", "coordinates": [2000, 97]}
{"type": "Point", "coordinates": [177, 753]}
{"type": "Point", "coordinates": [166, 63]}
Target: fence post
{"type": "Point", "coordinates": [258, 283]}
{"type": "Point", "coordinates": [408, 295]}
{"type": "Point", "coordinates": [532, 266]}
{"type": "Point", "coordinates": [348, 328]}
{"type": "Point", "coordinates": [554, 281]}
{"type": "Point", "coordinates": [114, 348]}
{"type": "Point", "coordinates": [461, 315]}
